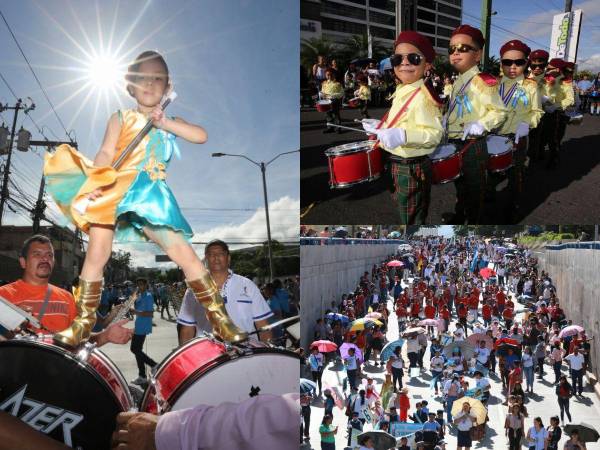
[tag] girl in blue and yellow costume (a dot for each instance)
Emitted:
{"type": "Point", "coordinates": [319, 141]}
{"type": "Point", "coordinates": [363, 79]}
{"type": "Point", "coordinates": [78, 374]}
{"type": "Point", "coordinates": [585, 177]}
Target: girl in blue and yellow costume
{"type": "Point", "coordinates": [133, 201]}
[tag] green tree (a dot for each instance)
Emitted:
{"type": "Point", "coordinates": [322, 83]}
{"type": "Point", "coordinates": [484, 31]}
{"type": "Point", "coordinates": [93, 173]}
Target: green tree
{"type": "Point", "coordinates": [442, 66]}
{"type": "Point", "coordinates": [357, 46]}
{"type": "Point", "coordinates": [313, 47]}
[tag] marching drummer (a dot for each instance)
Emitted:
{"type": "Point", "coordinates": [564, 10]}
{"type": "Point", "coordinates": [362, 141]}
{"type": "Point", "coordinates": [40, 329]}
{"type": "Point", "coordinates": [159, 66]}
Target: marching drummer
{"type": "Point", "coordinates": [520, 97]}
{"type": "Point", "coordinates": [52, 306]}
{"type": "Point", "coordinates": [412, 128]}
{"type": "Point", "coordinates": [475, 109]}
{"type": "Point", "coordinates": [244, 303]}
{"type": "Point", "coordinates": [331, 89]}
{"type": "Point", "coordinates": [551, 103]}
{"type": "Point", "coordinates": [567, 98]}
{"type": "Point", "coordinates": [363, 93]}
{"type": "Point", "coordinates": [538, 60]}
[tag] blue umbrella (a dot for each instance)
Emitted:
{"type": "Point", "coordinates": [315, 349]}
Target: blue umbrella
{"type": "Point", "coordinates": [388, 350]}
{"type": "Point", "coordinates": [307, 386]}
{"type": "Point", "coordinates": [335, 316]}
{"type": "Point", "coordinates": [385, 64]}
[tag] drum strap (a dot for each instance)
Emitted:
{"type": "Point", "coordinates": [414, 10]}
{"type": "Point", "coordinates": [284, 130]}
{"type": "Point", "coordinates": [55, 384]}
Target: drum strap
{"type": "Point", "coordinates": [402, 110]}
{"type": "Point", "coordinates": [45, 304]}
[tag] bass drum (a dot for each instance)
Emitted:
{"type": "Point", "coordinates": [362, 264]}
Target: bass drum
{"type": "Point", "coordinates": [206, 371]}
{"type": "Point", "coordinates": [74, 398]}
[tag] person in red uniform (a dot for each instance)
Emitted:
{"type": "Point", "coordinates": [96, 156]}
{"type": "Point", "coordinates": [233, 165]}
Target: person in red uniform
{"type": "Point", "coordinates": [500, 301]}
{"type": "Point", "coordinates": [486, 313]}
{"type": "Point", "coordinates": [509, 303]}
{"type": "Point", "coordinates": [445, 314]}
{"type": "Point", "coordinates": [401, 315]}
{"type": "Point", "coordinates": [415, 309]}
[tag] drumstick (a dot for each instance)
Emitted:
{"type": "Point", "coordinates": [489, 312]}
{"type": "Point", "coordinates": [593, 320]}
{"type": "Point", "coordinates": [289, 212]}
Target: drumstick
{"type": "Point", "coordinates": [348, 128]}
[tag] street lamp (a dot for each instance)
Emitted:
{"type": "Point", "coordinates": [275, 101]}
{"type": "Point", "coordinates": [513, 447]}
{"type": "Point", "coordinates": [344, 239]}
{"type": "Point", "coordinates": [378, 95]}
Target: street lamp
{"type": "Point", "coordinates": [263, 167]}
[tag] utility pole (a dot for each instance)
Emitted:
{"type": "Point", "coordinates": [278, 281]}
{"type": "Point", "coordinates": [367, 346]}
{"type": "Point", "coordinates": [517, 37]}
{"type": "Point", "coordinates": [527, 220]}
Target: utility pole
{"type": "Point", "coordinates": [37, 213]}
{"type": "Point", "coordinates": [486, 19]}
{"type": "Point", "coordinates": [369, 39]}
{"type": "Point", "coordinates": [4, 193]}
{"type": "Point", "coordinates": [568, 5]}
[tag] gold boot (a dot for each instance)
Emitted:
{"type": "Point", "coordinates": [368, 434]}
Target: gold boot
{"type": "Point", "coordinates": [87, 303]}
{"type": "Point", "coordinates": [207, 294]}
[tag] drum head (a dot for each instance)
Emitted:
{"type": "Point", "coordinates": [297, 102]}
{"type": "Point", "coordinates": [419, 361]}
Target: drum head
{"type": "Point", "coordinates": [352, 147]}
{"type": "Point", "coordinates": [46, 387]}
{"type": "Point", "coordinates": [498, 144]}
{"type": "Point", "coordinates": [324, 102]}
{"type": "Point", "coordinates": [443, 151]}
{"type": "Point", "coordinates": [260, 371]}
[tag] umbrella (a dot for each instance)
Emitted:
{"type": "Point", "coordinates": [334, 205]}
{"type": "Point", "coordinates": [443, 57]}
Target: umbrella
{"type": "Point", "coordinates": [502, 350]}
{"type": "Point", "coordinates": [335, 316]}
{"type": "Point", "coordinates": [476, 338]}
{"type": "Point", "coordinates": [414, 330]}
{"type": "Point", "coordinates": [382, 440]}
{"type": "Point", "coordinates": [587, 433]}
{"type": "Point", "coordinates": [571, 330]}
{"type": "Point", "coordinates": [346, 346]}
{"type": "Point", "coordinates": [374, 315]}
{"type": "Point", "coordinates": [506, 341]}
{"type": "Point", "coordinates": [407, 255]}
{"type": "Point", "coordinates": [385, 64]}
{"type": "Point", "coordinates": [477, 408]}
{"type": "Point", "coordinates": [394, 234]}
{"type": "Point", "coordinates": [487, 272]}
{"type": "Point", "coordinates": [466, 349]}
{"type": "Point", "coordinates": [361, 324]}
{"type": "Point", "coordinates": [307, 386]}
{"type": "Point", "coordinates": [388, 350]}
{"type": "Point", "coordinates": [395, 263]}
{"type": "Point", "coordinates": [324, 346]}
{"type": "Point", "coordinates": [363, 61]}
{"type": "Point", "coordinates": [428, 323]}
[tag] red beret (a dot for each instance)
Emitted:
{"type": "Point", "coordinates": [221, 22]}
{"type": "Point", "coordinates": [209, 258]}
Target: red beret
{"type": "Point", "coordinates": [569, 65]}
{"type": "Point", "coordinates": [418, 40]}
{"type": "Point", "coordinates": [470, 31]}
{"type": "Point", "coordinates": [539, 54]}
{"type": "Point", "coordinates": [515, 44]}
{"type": "Point", "coordinates": [557, 62]}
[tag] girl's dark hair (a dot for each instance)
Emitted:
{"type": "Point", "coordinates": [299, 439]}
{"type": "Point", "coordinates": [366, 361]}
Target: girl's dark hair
{"type": "Point", "coordinates": [134, 69]}
{"type": "Point", "coordinates": [325, 417]}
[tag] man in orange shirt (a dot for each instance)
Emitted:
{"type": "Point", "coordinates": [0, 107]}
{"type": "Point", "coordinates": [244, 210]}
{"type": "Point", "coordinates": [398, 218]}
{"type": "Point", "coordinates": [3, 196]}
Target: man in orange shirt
{"type": "Point", "coordinates": [53, 306]}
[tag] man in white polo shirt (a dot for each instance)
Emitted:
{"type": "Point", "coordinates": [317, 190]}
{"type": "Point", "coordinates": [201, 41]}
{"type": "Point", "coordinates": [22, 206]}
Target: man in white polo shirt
{"type": "Point", "coordinates": [243, 300]}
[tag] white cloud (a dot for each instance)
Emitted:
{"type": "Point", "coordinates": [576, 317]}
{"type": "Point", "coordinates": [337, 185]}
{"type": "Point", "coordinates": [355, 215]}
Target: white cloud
{"type": "Point", "coordinates": [592, 63]}
{"type": "Point", "coordinates": [283, 216]}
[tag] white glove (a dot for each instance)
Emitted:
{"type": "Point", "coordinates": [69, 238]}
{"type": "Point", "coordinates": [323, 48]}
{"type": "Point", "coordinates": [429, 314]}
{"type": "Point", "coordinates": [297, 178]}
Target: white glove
{"type": "Point", "coordinates": [473, 129]}
{"type": "Point", "coordinates": [370, 125]}
{"type": "Point", "coordinates": [545, 99]}
{"type": "Point", "coordinates": [522, 131]}
{"type": "Point", "coordinates": [392, 137]}
{"type": "Point", "coordinates": [550, 108]}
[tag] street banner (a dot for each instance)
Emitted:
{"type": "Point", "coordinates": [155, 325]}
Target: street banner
{"type": "Point", "coordinates": [401, 429]}
{"type": "Point", "coordinates": [565, 35]}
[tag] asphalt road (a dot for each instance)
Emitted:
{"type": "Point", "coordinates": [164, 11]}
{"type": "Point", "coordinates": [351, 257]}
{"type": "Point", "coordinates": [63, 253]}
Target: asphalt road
{"type": "Point", "coordinates": [566, 194]}
{"type": "Point", "coordinates": [541, 403]}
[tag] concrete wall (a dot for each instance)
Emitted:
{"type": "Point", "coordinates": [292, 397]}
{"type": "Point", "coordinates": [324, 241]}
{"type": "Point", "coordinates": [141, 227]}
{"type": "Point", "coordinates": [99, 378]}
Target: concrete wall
{"type": "Point", "coordinates": [327, 272]}
{"type": "Point", "coordinates": [576, 275]}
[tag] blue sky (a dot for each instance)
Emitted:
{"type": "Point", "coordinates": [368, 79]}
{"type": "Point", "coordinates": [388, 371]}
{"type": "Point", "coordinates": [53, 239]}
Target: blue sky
{"type": "Point", "coordinates": [533, 20]}
{"type": "Point", "coordinates": [234, 66]}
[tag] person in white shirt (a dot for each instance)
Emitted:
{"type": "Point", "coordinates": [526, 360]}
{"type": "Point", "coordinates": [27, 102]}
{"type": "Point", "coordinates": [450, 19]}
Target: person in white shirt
{"type": "Point", "coordinates": [437, 367]}
{"type": "Point", "coordinates": [482, 354]}
{"type": "Point", "coordinates": [576, 361]}
{"type": "Point", "coordinates": [464, 421]}
{"type": "Point", "coordinates": [537, 434]}
{"type": "Point", "coordinates": [243, 301]}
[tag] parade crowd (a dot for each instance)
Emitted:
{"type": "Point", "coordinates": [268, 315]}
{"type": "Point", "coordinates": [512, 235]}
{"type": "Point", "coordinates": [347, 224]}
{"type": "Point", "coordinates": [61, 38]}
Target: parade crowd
{"type": "Point", "coordinates": [468, 311]}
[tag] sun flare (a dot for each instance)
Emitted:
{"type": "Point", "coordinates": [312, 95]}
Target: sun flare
{"type": "Point", "coordinates": [105, 72]}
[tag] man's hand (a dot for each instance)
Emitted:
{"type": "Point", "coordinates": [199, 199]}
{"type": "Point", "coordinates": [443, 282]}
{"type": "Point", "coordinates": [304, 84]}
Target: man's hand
{"type": "Point", "coordinates": [117, 333]}
{"type": "Point", "coordinates": [135, 431]}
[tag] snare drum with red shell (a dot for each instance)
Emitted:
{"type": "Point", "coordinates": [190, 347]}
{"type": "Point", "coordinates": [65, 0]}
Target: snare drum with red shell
{"type": "Point", "coordinates": [354, 103]}
{"type": "Point", "coordinates": [323, 105]}
{"type": "Point", "coordinates": [73, 397]}
{"type": "Point", "coordinates": [446, 164]}
{"type": "Point", "coordinates": [500, 151]}
{"type": "Point", "coordinates": [354, 163]}
{"type": "Point", "coordinates": [206, 371]}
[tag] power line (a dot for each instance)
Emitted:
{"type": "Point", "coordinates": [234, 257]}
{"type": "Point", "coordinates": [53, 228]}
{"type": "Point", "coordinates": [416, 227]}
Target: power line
{"type": "Point", "coordinates": [34, 75]}
{"type": "Point", "coordinates": [8, 86]}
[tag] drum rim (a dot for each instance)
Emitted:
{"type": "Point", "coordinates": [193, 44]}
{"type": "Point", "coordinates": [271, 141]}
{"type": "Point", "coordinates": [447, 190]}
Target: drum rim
{"type": "Point", "coordinates": [456, 153]}
{"type": "Point", "coordinates": [206, 368]}
{"type": "Point", "coordinates": [353, 183]}
{"type": "Point", "coordinates": [351, 147]}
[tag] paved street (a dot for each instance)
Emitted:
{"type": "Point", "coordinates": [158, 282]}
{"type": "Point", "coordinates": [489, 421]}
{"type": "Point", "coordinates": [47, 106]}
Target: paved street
{"type": "Point", "coordinates": [542, 403]}
{"type": "Point", "coordinates": [553, 196]}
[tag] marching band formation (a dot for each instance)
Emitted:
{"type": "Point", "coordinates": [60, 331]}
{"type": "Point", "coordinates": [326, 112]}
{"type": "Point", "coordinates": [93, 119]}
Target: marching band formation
{"type": "Point", "coordinates": [484, 129]}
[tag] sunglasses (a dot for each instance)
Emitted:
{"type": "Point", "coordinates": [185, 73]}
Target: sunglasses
{"type": "Point", "coordinates": [537, 66]}
{"type": "Point", "coordinates": [461, 48]}
{"type": "Point", "coordinates": [516, 62]}
{"type": "Point", "coordinates": [413, 59]}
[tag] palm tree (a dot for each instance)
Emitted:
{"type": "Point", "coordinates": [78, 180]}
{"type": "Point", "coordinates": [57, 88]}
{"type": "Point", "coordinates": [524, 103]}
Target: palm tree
{"type": "Point", "coordinates": [493, 66]}
{"type": "Point", "coordinates": [358, 47]}
{"type": "Point", "coordinates": [313, 47]}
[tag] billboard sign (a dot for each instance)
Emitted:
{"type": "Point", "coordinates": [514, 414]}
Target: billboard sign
{"type": "Point", "coordinates": [565, 35]}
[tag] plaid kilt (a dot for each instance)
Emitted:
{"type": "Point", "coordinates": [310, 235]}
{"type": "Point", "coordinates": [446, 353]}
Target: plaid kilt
{"type": "Point", "coordinates": [470, 187]}
{"type": "Point", "coordinates": [412, 190]}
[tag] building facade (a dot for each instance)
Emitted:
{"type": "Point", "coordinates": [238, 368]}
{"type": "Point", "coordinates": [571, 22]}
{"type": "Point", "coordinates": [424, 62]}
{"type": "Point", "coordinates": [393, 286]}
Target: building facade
{"type": "Point", "coordinates": [338, 20]}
